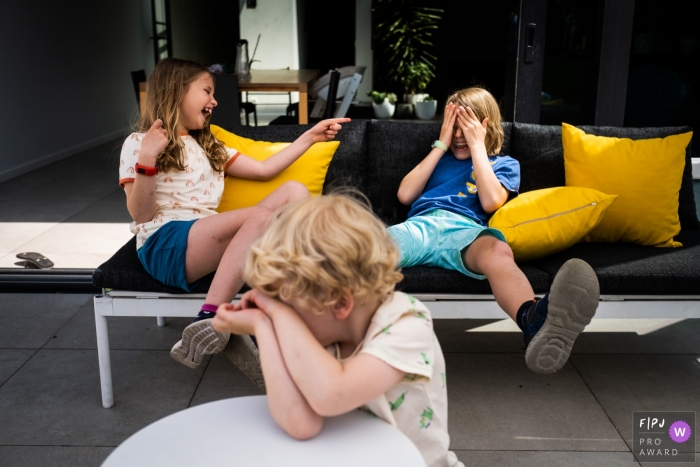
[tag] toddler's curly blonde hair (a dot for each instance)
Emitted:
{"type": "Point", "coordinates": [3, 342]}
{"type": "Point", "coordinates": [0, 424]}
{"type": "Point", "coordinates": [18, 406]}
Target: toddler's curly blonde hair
{"type": "Point", "coordinates": [316, 249]}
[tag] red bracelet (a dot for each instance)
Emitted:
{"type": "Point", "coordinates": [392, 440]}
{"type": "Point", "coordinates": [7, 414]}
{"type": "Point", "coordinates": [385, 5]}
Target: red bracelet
{"type": "Point", "coordinates": [143, 170]}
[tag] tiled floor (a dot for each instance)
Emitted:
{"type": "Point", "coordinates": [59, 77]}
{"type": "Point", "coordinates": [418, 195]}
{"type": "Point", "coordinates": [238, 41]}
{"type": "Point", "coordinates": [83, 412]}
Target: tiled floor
{"type": "Point", "coordinates": [500, 413]}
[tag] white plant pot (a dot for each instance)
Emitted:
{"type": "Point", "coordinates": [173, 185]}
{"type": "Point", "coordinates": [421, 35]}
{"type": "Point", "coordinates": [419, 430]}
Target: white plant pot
{"type": "Point", "coordinates": [426, 110]}
{"type": "Point", "coordinates": [383, 110]}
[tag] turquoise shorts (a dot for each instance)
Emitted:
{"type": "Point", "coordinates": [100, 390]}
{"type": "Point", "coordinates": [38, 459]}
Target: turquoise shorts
{"type": "Point", "coordinates": [437, 238]}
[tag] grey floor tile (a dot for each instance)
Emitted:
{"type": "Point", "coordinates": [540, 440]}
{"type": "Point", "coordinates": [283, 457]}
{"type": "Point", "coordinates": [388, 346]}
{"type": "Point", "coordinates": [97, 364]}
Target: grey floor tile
{"type": "Point", "coordinates": [109, 209]}
{"type": "Point", "coordinates": [28, 321]}
{"type": "Point", "coordinates": [125, 332]}
{"type": "Point", "coordinates": [222, 380]}
{"type": "Point", "coordinates": [677, 338]}
{"type": "Point", "coordinates": [55, 398]}
{"type": "Point", "coordinates": [11, 360]}
{"type": "Point", "coordinates": [623, 384]}
{"type": "Point", "coordinates": [545, 458]}
{"type": "Point", "coordinates": [496, 403]}
{"type": "Point", "coordinates": [55, 456]}
{"type": "Point", "coordinates": [40, 210]}
{"type": "Point", "coordinates": [453, 337]}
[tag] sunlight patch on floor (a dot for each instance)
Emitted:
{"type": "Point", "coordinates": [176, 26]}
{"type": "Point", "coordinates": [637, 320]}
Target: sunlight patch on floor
{"type": "Point", "coordinates": [68, 245]}
{"type": "Point", "coordinates": [640, 327]}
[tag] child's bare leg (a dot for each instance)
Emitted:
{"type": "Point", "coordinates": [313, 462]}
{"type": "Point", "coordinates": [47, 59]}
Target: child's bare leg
{"type": "Point", "coordinates": [493, 258]}
{"type": "Point", "coordinates": [220, 243]}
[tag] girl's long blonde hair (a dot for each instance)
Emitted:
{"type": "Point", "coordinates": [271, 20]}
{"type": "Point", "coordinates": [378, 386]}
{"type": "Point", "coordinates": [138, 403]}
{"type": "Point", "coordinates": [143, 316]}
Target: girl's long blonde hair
{"type": "Point", "coordinates": [167, 86]}
{"type": "Point", "coordinates": [484, 106]}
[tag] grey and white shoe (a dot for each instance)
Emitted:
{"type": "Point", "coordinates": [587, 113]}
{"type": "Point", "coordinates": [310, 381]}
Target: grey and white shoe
{"type": "Point", "coordinates": [556, 321]}
{"type": "Point", "coordinates": [198, 339]}
{"type": "Point", "coordinates": [243, 353]}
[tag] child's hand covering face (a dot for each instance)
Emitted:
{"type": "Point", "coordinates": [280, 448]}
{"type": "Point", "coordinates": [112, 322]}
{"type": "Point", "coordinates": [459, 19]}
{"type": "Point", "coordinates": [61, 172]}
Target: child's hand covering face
{"type": "Point", "coordinates": [237, 320]}
{"type": "Point", "coordinates": [473, 130]}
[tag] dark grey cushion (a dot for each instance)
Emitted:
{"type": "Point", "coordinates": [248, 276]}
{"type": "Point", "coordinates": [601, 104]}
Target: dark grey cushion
{"type": "Point", "coordinates": [124, 271]}
{"type": "Point", "coordinates": [395, 148]}
{"type": "Point", "coordinates": [624, 268]}
{"type": "Point", "coordinates": [539, 150]}
{"type": "Point", "coordinates": [349, 164]}
{"type": "Point", "coordinates": [422, 279]}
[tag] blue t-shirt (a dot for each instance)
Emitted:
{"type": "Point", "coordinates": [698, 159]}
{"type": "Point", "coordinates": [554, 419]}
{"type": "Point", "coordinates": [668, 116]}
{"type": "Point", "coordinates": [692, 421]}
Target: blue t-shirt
{"type": "Point", "coordinates": [452, 186]}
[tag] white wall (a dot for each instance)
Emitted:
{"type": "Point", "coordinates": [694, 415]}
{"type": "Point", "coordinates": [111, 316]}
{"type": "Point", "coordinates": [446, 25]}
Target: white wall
{"type": "Point", "coordinates": [276, 20]}
{"type": "Point", "coordinates": [65, 84]}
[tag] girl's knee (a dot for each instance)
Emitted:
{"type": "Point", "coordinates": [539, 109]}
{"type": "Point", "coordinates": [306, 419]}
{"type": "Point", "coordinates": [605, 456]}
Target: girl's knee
{"type": "Point", "coordinates": [295, 190]}
{"type": "Point", "coordinates": [501, 249]}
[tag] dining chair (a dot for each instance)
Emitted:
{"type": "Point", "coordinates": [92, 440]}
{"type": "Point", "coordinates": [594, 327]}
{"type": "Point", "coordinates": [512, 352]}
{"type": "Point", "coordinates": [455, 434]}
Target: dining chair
{"type": "Point", "coordinates": [138, 76]}
{"type": "Point", "coordinates": [227, 113]}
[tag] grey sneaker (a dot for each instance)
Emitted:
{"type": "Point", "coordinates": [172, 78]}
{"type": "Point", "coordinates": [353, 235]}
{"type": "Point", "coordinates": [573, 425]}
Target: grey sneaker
{"type": "Point", "coordinates": [198, 339]}
{"type": "Point", "coordinates": [245, 355]}
{"type": "Point", "coordinates": [566, 311]}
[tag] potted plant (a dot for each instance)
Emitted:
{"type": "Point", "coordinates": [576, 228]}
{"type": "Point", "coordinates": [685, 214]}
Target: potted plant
{"type": "Point", "coordinates": [404, 34]}
{"type": "Point", "coordinates": [426, 108]}
{"type": "Point", "coordinates": [383, 103]}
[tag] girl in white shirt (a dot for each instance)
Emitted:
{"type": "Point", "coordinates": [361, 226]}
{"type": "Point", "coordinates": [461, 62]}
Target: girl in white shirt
{"type": "Point", "coordinates": [172, 171]}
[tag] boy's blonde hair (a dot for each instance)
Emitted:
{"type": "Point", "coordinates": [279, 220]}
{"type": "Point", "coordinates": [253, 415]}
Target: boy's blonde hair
{"type": "Point", "coordinates": [167, 86]}
{"type": "Point", "coordinates": [484, 106]}
{"type": "Point", "coordinates": [316, 249]}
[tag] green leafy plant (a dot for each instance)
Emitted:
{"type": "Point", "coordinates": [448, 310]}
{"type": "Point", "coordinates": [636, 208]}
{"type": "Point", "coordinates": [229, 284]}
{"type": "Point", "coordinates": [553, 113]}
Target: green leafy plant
{"type": "Point", "coordinates": [404, 33]}
{"type": "Point", "coordinates": [428, 99]}
{"type": "Point", "coordinates": [378, 97]}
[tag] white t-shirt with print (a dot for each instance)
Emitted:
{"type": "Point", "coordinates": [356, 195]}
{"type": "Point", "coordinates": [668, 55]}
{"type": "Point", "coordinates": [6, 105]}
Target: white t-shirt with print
{"type": "Point", "coordinates": [401, 335]}
{"type": "Point", "coordinates": [180, 195]}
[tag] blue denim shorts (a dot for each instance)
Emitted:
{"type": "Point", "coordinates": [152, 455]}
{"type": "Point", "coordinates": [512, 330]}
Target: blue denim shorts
{"type": "Point", "coordinates": [163, 254]}
{"type": "Point", "coordinates": [437, 238]}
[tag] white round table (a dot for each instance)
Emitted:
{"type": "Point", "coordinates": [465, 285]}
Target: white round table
{"type": "Point", "coordinates": [241, 432]}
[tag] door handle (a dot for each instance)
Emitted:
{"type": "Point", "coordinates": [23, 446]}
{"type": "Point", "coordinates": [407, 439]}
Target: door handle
{"type": "Point", "coordinates": [530, 42]}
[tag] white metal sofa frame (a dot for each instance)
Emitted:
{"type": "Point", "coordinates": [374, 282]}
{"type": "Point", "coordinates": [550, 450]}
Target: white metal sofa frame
{"type": "Point", "coordinates": [446, 306]}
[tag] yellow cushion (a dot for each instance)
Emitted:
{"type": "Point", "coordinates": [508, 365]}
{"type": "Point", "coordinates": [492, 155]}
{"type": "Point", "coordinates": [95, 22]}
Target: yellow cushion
{"type": "Point", "coordinates": [310, 169]}
{"type": "Point", "coordinates": [645, 174]}
{"type": "Point", "coordinates": [542, 222]}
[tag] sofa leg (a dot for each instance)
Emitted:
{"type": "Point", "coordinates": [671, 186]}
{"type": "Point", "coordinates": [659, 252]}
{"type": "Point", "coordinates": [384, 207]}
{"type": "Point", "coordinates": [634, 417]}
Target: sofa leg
{"type": "Point", "coordinates": [103, 351]}
{"type": "Point", "coordinates": [161, 321]}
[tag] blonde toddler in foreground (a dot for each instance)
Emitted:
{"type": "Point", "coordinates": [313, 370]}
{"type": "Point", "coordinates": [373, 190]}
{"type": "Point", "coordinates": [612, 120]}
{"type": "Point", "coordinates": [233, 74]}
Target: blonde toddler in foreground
{"type": "Point", "coordinates": [332, 333]}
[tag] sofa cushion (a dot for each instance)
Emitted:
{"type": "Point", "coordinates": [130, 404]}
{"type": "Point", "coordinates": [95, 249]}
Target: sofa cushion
{"type": "Point", "coordinates": [540, 152]}
{"type": "Point", "coordinates": [349, 164]}
{"type": "Point", "coordinates": [395, 148]}
{"type": "Point", "coordinates": [628, 269]}
{"type": "Point", "coordinates": [423, 279]}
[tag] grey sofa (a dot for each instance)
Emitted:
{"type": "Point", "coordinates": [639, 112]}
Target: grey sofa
{"type": "Point", "coordinates": [374, 156]}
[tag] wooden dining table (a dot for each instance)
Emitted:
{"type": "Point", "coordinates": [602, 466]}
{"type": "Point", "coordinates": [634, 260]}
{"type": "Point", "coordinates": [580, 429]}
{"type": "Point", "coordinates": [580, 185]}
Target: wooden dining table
{"type": "Point", "coordinates": [270, 81]}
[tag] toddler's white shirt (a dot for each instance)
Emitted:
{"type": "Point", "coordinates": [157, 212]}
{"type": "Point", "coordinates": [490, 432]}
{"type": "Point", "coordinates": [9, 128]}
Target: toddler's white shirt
{"type": "Point", "coordinates": [185, 195]}
{"type": "Point", "coordinates": [401, 335]}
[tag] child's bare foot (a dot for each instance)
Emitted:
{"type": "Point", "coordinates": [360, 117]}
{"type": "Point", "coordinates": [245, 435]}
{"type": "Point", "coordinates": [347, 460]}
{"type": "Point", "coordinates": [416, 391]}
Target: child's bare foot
{"type": "Point", "coordinates": [198, 339]}
{"type": "Point", "coordinates": [555, 321]}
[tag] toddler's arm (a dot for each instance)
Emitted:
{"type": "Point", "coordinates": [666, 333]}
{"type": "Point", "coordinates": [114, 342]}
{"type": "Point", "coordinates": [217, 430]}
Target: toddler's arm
{"type": "Point", "coordinates": [287, 405]}
{"type": "Point", "coordinates": [141, 194]}
{"type": "Point", "coordinates": [414, 182]}
{"type": "Point", "coordinates": [330, 387]}
{"type": "Point", "coordinates": [247, 167]}
{"type": "Point", "coordinates": [492, 194]}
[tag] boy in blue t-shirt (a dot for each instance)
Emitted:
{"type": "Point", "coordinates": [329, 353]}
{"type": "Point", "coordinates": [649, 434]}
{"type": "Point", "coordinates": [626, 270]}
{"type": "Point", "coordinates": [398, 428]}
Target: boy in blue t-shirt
{"type": "Point", "coordinates": [452, 193]}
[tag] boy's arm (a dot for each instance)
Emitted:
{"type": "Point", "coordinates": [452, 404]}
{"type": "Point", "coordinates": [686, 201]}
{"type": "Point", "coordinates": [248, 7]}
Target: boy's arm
{"type": "Point", "coordinates": [287, 405]}
{"type": "Point", "coordinates": [330, 387]}
{"type": "Point", "coordinates": [247, 167]}
{"type": "Point", "coordinates": [414, 182]}
{"type": "Point", "coordinates": [492, 194]}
